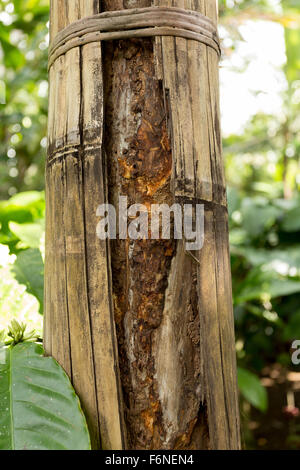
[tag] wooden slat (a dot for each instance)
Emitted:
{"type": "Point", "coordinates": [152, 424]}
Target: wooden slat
{"type": "Point", "coordinates": [210, 338]}
{"type": "Point", "coordinates": [226, 325]}
{"type": "Point", "coordinates": [73, 97]}
{"type": "Point", "coordinates": [98, 255]}
{"type": "Point", "coordinates": [82, 357]}
{"type": "Point", "coordinates": [185, 81]}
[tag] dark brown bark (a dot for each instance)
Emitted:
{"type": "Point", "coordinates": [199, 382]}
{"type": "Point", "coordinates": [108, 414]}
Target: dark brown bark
{"type": "Point", "coordinates": [139, 160]}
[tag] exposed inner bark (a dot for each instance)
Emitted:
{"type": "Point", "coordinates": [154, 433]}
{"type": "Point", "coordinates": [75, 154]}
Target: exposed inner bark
{"type": "Point", "coordinates": [156, 342]}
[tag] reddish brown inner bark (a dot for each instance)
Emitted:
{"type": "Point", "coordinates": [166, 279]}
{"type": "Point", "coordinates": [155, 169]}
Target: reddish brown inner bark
{"type": "Point", "coordinates": [139, 161]}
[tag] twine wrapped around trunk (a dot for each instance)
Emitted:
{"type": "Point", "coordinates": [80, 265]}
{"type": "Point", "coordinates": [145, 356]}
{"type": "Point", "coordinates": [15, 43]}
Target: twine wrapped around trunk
{"type": "Point", "coordinates": [136, 23]}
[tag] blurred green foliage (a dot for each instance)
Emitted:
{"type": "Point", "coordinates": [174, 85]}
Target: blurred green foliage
{"type": "Point", "coordinates": [263, 174]}
{"type": "Point", "coordinates": [23, 124]}
{"type": "Point", "coordinates": [264, 206]}
{"type": "Point", "coordinates": [23, 80]}
{"type": "Point", "coordinates": [22, 219]}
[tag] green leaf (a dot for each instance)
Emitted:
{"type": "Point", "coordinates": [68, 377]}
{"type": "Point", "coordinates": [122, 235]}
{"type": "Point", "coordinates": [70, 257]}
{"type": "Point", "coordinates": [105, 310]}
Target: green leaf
{"type": "Point", "coordinates": [238, 236]}
{"type": "Point", "coordinates": [16, 213]}
{"type": "Point", "coordinates": [260, 283]}
{"type": "Point", "coordinates": [275, 259]}
{"type": "Point", "coordinates": [252, 389]}
{"type": "Point", "coordinates": [258, 215]}
{"type": "Point", "coordinates": [38, 406]}
{"type": "Point", "coordinates": [28, 199]}
{"type": "Point", "coordinates": [29, 234]}
{"type": "Point", "coordinates": [291, 221]}
{"type": "Point", "coordinates": [292, 329]}
{"type": "Point", "coordinates": [271, 288]}
{"type": "Point", "coordinates": [29, 270]}
{"type": "Point", "coordinates": [23, 208]}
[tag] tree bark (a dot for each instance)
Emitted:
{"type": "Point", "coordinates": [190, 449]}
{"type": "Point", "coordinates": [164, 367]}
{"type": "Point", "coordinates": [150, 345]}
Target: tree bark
{"type": "Point", "coordinates": [145, 331]}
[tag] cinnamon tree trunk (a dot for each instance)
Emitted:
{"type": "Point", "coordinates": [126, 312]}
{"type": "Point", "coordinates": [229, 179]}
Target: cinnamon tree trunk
{"type": "Point", "coordinates": [144, 331]}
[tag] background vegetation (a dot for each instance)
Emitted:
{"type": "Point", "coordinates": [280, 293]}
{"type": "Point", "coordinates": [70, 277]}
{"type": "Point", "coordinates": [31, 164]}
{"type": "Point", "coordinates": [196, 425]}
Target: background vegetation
{"type": "Point", "coordinates": [263, 173]}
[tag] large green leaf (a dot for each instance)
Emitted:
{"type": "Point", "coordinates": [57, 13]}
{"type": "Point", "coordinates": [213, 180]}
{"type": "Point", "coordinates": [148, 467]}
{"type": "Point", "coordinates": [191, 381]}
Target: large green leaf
{"type": "Point", "coordinates": [260, 283]}
{"type": "Point", "coordinates": [29, 270]}
{"type": "Point", "coordinates": [38, 406]}
{"type": "Point", "coordinates": [251, 388]}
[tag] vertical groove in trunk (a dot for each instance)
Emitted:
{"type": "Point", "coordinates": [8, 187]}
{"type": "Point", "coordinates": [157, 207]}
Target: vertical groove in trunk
{"type": "Point", "coordinates": [145, 331]}
{"type": "Point", "coordinates": [79, 323]}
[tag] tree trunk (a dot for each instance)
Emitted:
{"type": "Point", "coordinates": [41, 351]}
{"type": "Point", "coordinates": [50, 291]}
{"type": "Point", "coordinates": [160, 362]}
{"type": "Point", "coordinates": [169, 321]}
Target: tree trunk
{"type": "Point", "coordinates": [144, 330]}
